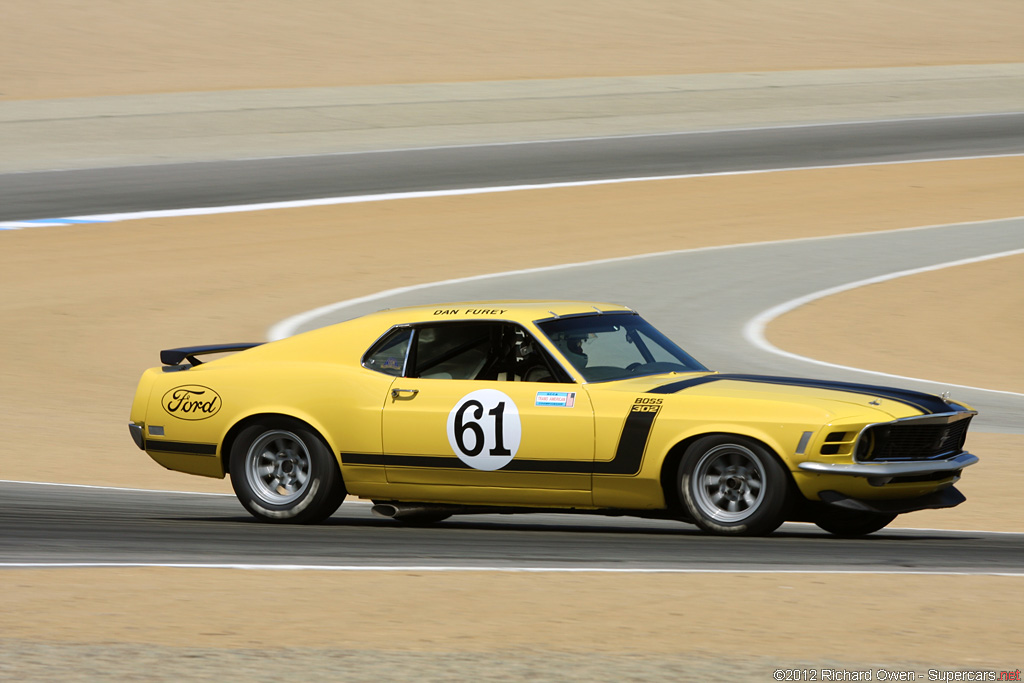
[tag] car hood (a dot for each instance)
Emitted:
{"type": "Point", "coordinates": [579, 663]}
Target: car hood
{"type": "Point", "coordinates": [895, 402]}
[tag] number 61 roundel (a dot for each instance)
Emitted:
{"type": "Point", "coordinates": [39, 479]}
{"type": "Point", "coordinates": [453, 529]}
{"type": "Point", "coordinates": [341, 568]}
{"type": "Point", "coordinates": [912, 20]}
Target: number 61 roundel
{"type": "Point", "coordinates": [484, 429]}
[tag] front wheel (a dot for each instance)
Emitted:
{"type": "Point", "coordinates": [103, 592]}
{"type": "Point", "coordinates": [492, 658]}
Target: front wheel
{"type": "Point", "coordinates": [283, 472]}
{"type": "Point", "coordinates": [850, 523]}
{"type": "Point", "coordinates": [733, 486]}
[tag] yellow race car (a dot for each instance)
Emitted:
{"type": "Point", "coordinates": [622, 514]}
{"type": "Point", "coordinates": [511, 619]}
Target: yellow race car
{"type": "Point", "coordinates": [541, 406]}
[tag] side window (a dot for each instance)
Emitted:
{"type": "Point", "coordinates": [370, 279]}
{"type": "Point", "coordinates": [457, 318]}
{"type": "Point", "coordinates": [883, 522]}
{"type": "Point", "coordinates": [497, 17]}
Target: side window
{"type": "Point", "coordinates": [454, 350]}
{"type": "Point", "coordinates": [389, 354]}
{"type": "Point", "coordinates": [494, 351]}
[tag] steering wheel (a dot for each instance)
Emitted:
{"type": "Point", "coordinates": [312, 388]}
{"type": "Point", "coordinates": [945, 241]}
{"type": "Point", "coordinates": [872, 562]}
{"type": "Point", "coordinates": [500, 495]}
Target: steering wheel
{"type": "Point", "coordinates": [633, 367]}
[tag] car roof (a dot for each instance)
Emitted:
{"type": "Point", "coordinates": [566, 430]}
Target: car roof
{"type": "Point", "coordinates": [357, 334]}
{"type": "Point", "coordinates": [517, 310]}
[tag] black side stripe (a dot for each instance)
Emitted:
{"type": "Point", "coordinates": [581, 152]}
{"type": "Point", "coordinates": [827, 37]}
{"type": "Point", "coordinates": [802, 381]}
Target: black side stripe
{"type": "Point", "coordinates": [453, 463]}
{"type": "Point", "coordinates": [181, 447]}
{"type": "Point", "coordinates": [926, 403]}
{"type": "Point", "coordinates": [628, 455]}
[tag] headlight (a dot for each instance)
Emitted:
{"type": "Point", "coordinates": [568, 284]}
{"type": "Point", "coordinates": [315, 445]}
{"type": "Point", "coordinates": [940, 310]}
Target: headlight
{"type": "Point", "coordinates": [865, 445]}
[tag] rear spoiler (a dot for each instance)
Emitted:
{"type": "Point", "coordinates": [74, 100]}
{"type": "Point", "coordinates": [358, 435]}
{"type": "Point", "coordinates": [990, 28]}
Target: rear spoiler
{"type": "Point", "coordinates": [174, 357]}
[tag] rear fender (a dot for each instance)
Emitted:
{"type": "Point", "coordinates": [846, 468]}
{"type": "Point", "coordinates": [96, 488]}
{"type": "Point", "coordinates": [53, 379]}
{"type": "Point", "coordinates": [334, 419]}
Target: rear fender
{"type": "Point", "coordinates": [268, 415]}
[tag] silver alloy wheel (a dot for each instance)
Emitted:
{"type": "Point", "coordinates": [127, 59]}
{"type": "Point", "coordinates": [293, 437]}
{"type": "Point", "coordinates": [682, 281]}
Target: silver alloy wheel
{"type": "Point", "coordinates": [277, 466]}
{"type": "Point", "coordinates": [728, 483]}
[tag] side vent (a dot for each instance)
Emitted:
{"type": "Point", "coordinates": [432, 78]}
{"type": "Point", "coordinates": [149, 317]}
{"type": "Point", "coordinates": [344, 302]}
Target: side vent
{"type": "Point", "coordinates": [837, 443]}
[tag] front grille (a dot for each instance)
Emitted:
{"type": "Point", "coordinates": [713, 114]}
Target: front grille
{"type": "Point", "coordinates": [895, 441]}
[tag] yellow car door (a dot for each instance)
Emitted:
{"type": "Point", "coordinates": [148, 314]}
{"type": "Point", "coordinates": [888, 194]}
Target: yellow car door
{"type": "Point", "coordinates": [465, 426]}
{"type": "Point", "coordinates": [487, 441]}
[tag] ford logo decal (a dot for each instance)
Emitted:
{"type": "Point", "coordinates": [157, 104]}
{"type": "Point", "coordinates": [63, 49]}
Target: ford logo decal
{"type": "Point", "coordinates": [191, 402]}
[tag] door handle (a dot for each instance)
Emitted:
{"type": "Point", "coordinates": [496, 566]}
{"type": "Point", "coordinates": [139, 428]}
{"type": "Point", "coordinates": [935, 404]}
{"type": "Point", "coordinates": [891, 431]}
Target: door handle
{"type": "Point", "coordinates": [403, 393]}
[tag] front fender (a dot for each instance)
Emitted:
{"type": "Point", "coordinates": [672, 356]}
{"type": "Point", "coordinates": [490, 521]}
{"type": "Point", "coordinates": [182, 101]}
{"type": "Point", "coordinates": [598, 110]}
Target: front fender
{"type": "Point", "coordinates": [785, 441]}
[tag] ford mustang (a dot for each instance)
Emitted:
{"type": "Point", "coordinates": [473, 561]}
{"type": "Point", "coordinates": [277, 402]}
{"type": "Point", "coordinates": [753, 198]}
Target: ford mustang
{"type": "Point", "coordinates": [531, 406]}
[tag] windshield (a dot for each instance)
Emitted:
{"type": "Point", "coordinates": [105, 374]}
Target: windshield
{"type": "Point", "coordinates": [616, 346]}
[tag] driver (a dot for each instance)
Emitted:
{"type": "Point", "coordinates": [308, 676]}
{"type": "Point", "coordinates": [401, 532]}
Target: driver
{"type": "Point", "coordinates": [572, 347]}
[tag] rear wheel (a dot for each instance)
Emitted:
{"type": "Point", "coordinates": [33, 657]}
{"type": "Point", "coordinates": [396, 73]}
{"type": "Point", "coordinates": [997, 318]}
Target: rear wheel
{"type": "Point", "coordinates": [283, 472]}
{"type": "Point", "coordinates": [733, 486]}
{"type": "Point", "coordinates": [850, 523]}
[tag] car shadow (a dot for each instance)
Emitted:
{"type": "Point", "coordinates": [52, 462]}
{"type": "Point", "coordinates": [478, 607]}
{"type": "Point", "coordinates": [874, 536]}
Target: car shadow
{"type": "Point", "coordinates": [637, 527]}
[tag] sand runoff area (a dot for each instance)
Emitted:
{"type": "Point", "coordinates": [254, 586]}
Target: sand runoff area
{"type": "Point", "coordinates": [85, 309]}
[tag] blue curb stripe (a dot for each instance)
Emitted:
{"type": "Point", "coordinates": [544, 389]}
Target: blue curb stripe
{"type": "Point", "coordinates": [62, 221]}
{"type": "Point", "coordinates": [48, 223]}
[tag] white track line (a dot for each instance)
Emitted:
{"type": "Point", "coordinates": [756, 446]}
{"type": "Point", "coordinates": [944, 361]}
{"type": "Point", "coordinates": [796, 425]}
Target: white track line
{"type": "Point", "coordinates": [754, 330]}
{"type": "Point", "coordinates": [110, 488]}
{"type": "Point", "coordinates": [457, 568]}
{"type": "Point", "coordinates": [131, 490]}
{"type": "Point", "coordinates": [391, 196]}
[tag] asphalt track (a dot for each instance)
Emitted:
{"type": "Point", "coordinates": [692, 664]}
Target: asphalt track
{"type": "Point", "coordinates": [701, 298]}
{"type": "Point", "coordinates": [59, 525]}
{"type": "Point", "coordinates": [145, 188]}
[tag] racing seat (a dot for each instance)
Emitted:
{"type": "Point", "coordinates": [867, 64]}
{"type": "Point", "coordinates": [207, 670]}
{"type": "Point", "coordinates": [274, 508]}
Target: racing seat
{"type": "Point", "coordinates": [466, 365]}
{"type": "Point", "coordinates": [533, 367]}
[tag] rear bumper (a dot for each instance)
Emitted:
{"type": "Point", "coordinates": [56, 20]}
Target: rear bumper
{"type": "Point", "coordinates": [136, 431]}
{"type": "Point", "coordinates": [946, 498]}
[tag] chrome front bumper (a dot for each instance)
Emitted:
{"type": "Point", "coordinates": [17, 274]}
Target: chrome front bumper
{"type": "Point", "coordinates": [892, 469]}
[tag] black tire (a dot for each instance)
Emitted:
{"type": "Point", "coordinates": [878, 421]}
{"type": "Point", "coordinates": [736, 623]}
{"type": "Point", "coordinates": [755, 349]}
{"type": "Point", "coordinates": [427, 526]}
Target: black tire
{"type": "Point", "coordinates": [850, 523]}
{"type": "Point", "coordinates": [283, 472]}
{"type": "Point", "coordinates": [733, 486]}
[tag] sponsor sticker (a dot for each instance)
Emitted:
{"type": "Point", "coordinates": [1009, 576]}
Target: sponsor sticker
{"type": "Point", "coordinates": [556, 399]}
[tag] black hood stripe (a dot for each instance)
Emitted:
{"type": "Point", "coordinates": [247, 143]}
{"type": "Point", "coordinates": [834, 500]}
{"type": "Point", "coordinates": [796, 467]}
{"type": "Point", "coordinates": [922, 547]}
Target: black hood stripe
{"type": "Point", "coordinates": [926, 403]}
